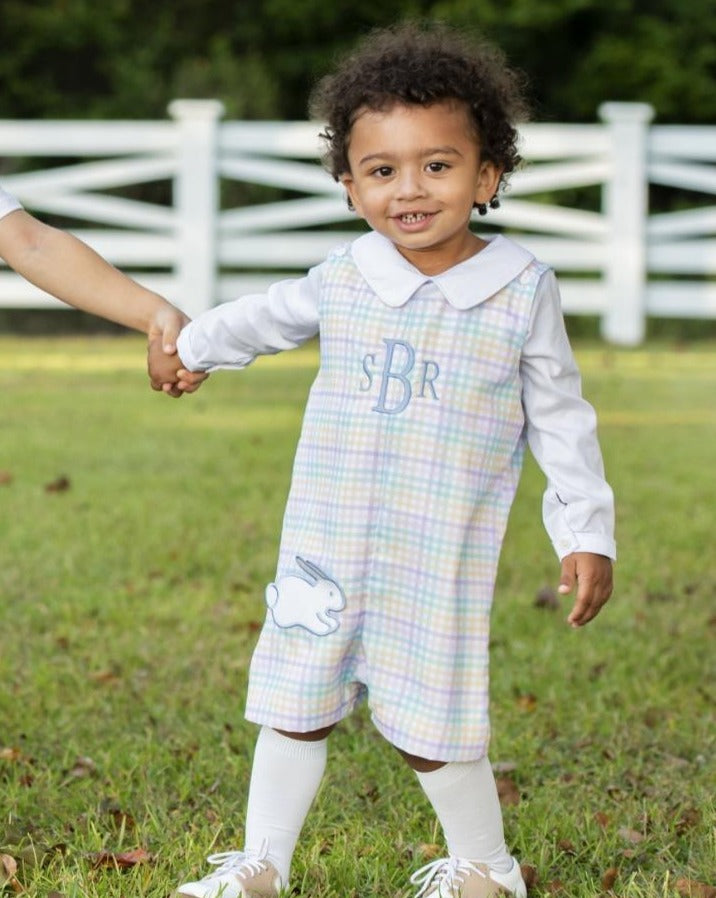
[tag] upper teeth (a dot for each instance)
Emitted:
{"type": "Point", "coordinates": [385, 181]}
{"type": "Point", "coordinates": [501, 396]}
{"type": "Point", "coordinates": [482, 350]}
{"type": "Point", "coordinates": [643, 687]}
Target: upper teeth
{"type": "Point", "coordinates": [410, 217]}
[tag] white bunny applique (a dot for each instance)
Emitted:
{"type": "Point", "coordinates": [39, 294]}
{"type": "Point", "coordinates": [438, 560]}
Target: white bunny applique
{"type": "Point", "coordinates": [309, 602]}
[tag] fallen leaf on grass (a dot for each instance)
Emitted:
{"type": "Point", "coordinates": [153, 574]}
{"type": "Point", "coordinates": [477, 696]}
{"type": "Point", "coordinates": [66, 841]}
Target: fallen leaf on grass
{"type": "Point", "coordinates": [121, 819]}
{"type": "Point", "coordinates": [10, 753]}
{"type": "Point", "coordinates": [13, 755]}
{"type": "Point", "coordinates": [690, 888]}
{"type": "Point", "coordinates": [547, 598]}
{"type": "Point", "coordinates": [507, 790]}
{"type": "Point", "coordinates": [527, 702]}
{"type": "Point", "coordinates": [530, 875]}
{"type": "Point", "coordinates": [689, 818]}
{"type": "Point", "coordinates": [12, 832]}
{"type": "Point", "coordinates": [8, 869]}
{"type": "Point", "coordinates": [5, 478]}
{"type": "Point", "coordinates": [83, 767]}
{"type": "Point", "coordinates": [34, 855]}
{"type": "Point", "coordinates": [429, 851]}
{"type": "Point", "coordinates": [567, 846]}
{"type": "Point", "coordinates": [60, 485]}
{"type": "Point", "coordinates": [596, 670]}
{"type": "Point", "coordinates": [104, 676]}
{"type": "Point", "coordinates": [121, 859]}
{"type": "Point", "coordinates": [631, 835]}
{"type": "Point", "coordinates": [658, 596]}
{"type": "Point", "coordinates": [653, 717]}
{"type": "Point", "coordinates": [609, 878]}
{"type": "Point", "coordinates": [370, 793]}
{"type": "Point", "coordinates": [602, 819]}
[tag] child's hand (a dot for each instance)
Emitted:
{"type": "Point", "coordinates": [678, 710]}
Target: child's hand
{"type": "Point", "coordinates": [189, 381]}
{"type": "Point", "coordinates": [166, 373]}
{"type": "Point", "coordinates": [593, 576]}
{"type": "Point", "coordinates": [163, 367]}
{"type": "Point", "coordinates": [166, 325]}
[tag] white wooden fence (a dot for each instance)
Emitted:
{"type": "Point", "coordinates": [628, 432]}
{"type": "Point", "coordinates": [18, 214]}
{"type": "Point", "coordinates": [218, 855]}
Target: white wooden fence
{"type": "Point", "coordinates": [620, 263]}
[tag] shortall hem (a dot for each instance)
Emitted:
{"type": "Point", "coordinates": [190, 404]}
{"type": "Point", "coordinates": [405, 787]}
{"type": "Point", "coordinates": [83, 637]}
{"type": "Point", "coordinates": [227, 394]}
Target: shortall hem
{"type": "Point", "coordinates": [291, 725]}
{"type": "Point", "coordinates": [427, 751]}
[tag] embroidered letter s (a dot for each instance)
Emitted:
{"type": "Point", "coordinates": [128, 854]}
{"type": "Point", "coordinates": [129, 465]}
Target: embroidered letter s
{"type": "Point", "coordinates": [368, 359]}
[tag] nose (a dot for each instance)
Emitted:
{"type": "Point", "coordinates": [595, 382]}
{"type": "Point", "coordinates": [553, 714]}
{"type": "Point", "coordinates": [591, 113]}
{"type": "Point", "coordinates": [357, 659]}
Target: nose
{"type": "Point", "coordinates": [409, 184]}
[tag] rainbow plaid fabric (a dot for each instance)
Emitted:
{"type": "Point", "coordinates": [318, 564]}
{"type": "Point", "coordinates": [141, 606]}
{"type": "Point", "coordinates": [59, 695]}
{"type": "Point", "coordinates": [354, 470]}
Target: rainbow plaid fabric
{"type": "Point", "coordinates": [405, 472]}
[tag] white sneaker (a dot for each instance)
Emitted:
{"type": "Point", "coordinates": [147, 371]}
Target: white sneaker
{"type": "Point", "coordinates": [454, 877]}
{"type": "Point", "coordinates": [239, 874]}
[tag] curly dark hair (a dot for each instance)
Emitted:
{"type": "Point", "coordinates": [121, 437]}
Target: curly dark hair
{"type": "Point", "coordinates": [421, 64]}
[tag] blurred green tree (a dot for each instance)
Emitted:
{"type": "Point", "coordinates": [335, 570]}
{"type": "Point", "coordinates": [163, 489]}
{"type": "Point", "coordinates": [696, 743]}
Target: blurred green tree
{"type": "Point", "coordinates": [69, 58]}
{"type": "Point", "coordinates": [579, 53]}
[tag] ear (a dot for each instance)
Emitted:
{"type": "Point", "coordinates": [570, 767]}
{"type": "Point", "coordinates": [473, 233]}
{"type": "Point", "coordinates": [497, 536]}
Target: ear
{"type": "Point", "coordinates": [349, 184]}
{"type": "Point", "coordinates": [488, 180]}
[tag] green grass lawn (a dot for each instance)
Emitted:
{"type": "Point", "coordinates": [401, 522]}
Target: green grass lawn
{"type": "Point", "coordinates": [130, 602]}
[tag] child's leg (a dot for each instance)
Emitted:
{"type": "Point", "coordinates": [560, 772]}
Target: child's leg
{"type": "Point", "coordinates": [287, 771]}
{"type": "Point", "coordinates": [464, 797]}
{"type": "Point", "coordinates": [284, 780]}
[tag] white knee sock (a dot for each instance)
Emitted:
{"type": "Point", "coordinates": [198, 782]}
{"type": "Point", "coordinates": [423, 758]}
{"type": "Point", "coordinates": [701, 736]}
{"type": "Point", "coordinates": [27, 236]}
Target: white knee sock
{"type": "Point", "coordinates": [464, 797]}
{"type": "Point", "coordinates": [285, 777]}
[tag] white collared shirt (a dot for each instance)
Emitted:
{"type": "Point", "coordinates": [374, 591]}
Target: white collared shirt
{"type": "Point", "coordinates": [578, 508]}
{"type": "Point", "coordinates": [8, 203]}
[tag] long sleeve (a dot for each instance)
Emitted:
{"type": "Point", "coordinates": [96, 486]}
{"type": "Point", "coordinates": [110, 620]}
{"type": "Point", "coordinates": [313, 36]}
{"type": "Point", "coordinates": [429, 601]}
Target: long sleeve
{"type": "Point", "coordinates": [578, 505]}
{"type": "Point", "coordinates": [8, 203]}
{"type": "Point", "coordinates": [232, 334]}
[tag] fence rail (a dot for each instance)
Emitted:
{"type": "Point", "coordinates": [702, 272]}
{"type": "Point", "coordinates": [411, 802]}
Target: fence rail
{"type": "Point", "coordinates": [621, 260]}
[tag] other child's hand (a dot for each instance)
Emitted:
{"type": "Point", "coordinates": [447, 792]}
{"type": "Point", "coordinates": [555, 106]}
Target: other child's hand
{"type": "Point", "coordinates": [163, 367]}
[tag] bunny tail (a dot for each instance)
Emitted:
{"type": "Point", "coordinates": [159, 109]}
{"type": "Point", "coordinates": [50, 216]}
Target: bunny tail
{"type": "Point", "coordinates": [271, 595]}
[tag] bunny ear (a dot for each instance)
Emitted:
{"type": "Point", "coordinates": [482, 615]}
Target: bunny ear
{"type": "Point", "coordinates": [311, 569]}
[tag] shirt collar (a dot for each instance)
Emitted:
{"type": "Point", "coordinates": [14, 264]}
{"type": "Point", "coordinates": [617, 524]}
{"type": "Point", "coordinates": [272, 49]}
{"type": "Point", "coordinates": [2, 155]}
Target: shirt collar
{"type": "Point", "coordinates": [465, 285]}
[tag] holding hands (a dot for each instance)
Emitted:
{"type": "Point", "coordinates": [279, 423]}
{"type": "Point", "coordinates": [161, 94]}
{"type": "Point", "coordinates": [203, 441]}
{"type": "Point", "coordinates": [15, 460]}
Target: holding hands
{"type": "Point", "coordinates": [166, 371]}
{"type": "Point", "coordinates": [60, 264]}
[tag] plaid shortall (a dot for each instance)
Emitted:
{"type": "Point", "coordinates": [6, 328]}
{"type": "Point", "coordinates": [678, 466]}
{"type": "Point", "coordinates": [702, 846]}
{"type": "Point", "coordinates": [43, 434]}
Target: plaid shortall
{"type": "Point", "coordinates": [405, 471]}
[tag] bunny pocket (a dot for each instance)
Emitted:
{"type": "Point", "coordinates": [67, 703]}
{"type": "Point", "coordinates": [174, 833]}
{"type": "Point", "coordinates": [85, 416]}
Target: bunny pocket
{"type": "Point", "coordinates": [309, 601]}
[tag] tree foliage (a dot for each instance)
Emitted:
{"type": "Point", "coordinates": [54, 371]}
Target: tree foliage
{"type": "Point", "coordinates": [126, 58]}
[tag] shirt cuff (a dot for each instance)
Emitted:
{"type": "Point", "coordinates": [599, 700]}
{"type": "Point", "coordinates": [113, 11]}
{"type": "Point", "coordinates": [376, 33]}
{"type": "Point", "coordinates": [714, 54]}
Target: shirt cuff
{"type": "Point", "coordinates": [194, 357]}
{"type": "Point", "coordinates": [596, 543]}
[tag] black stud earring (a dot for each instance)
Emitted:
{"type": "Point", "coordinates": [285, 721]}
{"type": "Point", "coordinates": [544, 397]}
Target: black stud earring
{"type": "Point", "coordinates": [349, 203]}
{"type": "Point", "coordinates": [482, 207]}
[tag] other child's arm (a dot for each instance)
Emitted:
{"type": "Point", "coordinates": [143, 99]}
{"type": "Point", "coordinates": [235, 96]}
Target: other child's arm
{"type": "Point", "coordinates": [67, 268]}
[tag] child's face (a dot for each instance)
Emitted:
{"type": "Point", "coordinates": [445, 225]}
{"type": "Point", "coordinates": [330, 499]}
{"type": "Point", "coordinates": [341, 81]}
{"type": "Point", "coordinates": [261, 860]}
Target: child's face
{"type": "Point", "coordinates": [415, 173]}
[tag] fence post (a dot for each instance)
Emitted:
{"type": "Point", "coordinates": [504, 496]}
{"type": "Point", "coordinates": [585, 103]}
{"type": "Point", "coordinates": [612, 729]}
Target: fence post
{"type": "Point", "coordinates": [626, 206]}
{"type": "Point", "coordinates": [196, 201]}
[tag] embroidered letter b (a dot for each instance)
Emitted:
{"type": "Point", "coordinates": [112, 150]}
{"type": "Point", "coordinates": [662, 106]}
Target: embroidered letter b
{"type": "Point", "coordinates": [398, 375]}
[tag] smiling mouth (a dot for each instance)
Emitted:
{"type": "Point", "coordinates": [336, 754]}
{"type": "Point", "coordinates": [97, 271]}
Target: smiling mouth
{"type": "Point", "coordinates": [413, 217]}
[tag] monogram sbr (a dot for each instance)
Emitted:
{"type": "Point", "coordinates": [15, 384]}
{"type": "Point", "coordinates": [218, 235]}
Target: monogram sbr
{"type": "Point", "coordinates": [401, 377]}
